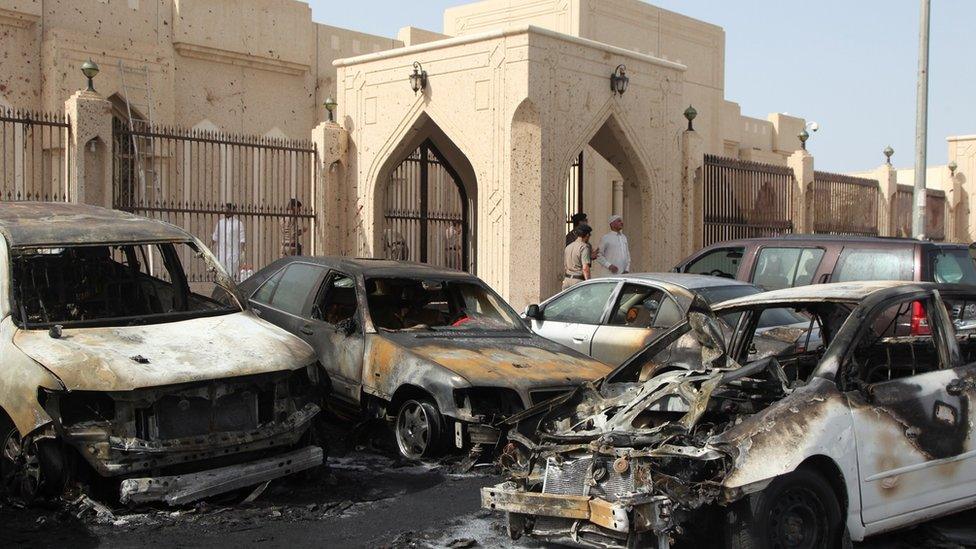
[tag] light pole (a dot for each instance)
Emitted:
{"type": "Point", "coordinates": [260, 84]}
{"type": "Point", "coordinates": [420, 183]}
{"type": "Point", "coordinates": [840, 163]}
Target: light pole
{"type": "Point", "coordinates": [921, 123]}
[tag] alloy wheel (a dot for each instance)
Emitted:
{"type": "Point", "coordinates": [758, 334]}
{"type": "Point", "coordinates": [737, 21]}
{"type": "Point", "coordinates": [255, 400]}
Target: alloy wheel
{"type": "Point", "coordinates": [414, 429]}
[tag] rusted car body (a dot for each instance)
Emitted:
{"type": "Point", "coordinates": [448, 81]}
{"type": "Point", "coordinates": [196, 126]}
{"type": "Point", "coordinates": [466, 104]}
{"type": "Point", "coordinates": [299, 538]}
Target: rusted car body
{"type": "Point", "coordinates": [112, 364]}
{"type": "Point", "coordinates": [701, 439]}
{"type": "Point", "coordinates": [435, 350]}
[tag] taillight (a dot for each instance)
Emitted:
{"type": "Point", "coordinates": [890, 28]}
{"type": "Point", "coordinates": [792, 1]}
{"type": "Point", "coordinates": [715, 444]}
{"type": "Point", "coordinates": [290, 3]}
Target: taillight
{"type": "Point", "coordinates": [920, 321]}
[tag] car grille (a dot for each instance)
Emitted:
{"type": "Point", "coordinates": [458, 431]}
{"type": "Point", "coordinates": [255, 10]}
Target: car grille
{"type": "Point", "coordinates": [570, 478]}
{"type": "Point", "coordinates": [546, 394]}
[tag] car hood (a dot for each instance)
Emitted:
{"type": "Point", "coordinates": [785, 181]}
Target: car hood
{"type": "Point", "coordinates": [519, 361]}
{"type": "Point", "coordinates": [133, 357]}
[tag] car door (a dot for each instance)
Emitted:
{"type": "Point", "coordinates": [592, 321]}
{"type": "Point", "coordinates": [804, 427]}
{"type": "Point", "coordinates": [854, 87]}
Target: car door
{"type": "Point", "coordinates": [572, 317]}
{"type": "Point", "coordinates": [639, 313]}
{"type": "Point", "coordinates": [333, 326]}
{"type": "Point", "coordinates": [910, 411]}
{"type": "Point", "coordinates": [283, 296]}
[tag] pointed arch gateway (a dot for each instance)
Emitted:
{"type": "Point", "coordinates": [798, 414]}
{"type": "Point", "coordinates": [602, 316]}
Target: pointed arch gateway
{"type": "Point", "coordinates": [426, 211]}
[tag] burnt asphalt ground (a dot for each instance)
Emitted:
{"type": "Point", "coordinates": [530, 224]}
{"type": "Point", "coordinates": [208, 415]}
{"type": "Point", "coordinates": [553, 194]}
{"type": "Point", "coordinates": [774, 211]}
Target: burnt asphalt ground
{"type": "Point", "coordinates": [366, 498]}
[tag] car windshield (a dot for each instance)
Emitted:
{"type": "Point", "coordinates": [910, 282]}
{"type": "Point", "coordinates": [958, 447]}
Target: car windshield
{"type": "Point", "coordinates": [953, 266]}
{"type": "Point", "coordinates": [717, 294]}
{"type": "Point", "coordinates": [117, 285]}
{"type": "Point", "coordinates": [397, 304]}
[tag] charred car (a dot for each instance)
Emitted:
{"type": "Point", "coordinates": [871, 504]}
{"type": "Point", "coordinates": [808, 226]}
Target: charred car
{"type": "Point", "coordinates": [434, 351]}
{"type": "Point", "coordinates": [119, 366]}
{"type": "Point", "coordinates": [703, 439]}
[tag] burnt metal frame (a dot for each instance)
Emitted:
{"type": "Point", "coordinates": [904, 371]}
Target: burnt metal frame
{"type": "Point", "coordinates": [423, 216]}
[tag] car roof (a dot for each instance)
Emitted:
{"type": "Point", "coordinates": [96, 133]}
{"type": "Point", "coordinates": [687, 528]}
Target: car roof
{"type": "Point", "coordinates": [26, 224]}
{"type": "Point", "coordinates": [834, 291]}
{"type": "Point", "coordinates": [683, 280]}
{"type": "Point", "coordinates": [834, 238]}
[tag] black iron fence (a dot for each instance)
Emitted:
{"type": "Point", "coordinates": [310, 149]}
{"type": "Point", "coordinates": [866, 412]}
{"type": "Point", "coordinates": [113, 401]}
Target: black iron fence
{"type": "Point", "coordinates": [744, 199]}
{"type": "Point", "coordinates": [843, 204]}
{"type": "Point", "coordinates": [34, 156]}
{"type": "Point", "coordinates": [250, 199]}
{"type": "Point", "coordinates": [935, 213]}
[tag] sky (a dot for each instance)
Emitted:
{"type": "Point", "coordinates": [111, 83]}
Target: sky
{"type": "Point", "coordinates": [849, 65]}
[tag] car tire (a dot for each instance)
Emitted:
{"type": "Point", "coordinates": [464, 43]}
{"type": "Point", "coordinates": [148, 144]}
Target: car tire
{"type": "Point", "coordinates": [9, 445]}
{"type": "Point", "coordinates": [798, 510]}
{"type": "Point", "coordinates": [419, 429]}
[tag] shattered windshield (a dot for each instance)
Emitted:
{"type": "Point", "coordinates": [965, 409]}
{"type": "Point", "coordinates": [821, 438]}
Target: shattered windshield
{"type": "Point", "coordinates": [116, 285]}
{"type": "Point", "coordinates": [397, 304]}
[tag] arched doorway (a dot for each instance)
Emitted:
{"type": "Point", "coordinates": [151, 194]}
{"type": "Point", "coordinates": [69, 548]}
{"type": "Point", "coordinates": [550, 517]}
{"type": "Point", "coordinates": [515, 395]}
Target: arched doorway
{"type": "Point", "coordinates": [425, 212]}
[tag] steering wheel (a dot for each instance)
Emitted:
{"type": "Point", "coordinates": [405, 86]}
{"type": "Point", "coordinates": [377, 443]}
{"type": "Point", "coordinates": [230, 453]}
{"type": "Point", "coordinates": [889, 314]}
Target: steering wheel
{"type": "Point", "coordinates": [720, 273]}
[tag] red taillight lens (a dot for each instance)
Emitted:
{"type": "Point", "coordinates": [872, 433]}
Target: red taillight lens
{"type": "Point", "coordinates": [920, 321]}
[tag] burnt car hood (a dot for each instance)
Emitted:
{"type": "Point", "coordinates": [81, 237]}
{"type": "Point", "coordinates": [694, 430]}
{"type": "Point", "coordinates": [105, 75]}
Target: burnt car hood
{"type": "Point", "coordinates": [133, 357]}
{"type": "Point", "coordinates": [517, 361]}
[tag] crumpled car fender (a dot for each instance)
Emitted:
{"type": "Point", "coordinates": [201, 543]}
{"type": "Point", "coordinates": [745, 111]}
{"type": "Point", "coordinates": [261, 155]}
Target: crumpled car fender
{"type": "Point", "coordinates": [20, 379]}
{"type": "Point", "coordinates": [389, 367]}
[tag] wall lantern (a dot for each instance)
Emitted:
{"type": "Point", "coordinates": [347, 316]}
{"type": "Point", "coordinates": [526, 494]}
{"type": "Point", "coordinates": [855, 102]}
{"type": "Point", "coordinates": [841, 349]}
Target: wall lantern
{"type": "Point", "coordinates": [803, 135]}
{"type": "Point", "coordinates": [690, 114]}
{"type": "Point", "coordinates": [952, 168]}
{"type": "Point", "coordinates": [330, 105]}
{"type": "Point", "coordinates": [418, 80]}
{"type": "Point", "coordinates": [619, 80]}
{"type": "Point", "coordinates": [888, 151]}
{"type": "Point", "coordinates": [90, 70]}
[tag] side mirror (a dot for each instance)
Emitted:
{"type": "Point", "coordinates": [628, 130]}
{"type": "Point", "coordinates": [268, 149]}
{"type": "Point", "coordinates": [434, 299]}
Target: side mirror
{"type": "Point", "coordinates": [533, 311]}
{"type": "Point", "coordinates": [346, 326]}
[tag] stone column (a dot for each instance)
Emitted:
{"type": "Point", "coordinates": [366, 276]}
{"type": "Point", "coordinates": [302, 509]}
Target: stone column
{"type": "Point", "coordinates": [617, 198]}
{"type": "Point", "coordinates": [331, 145]}
{"type": "Point", "coordinates": [802, 163]}
{"type": "Point", "coordinates": [887, 185]}
{"type": "Point", "coordinates": [90, 149]}
{"type": "Point", "coordinates": [692, 172]}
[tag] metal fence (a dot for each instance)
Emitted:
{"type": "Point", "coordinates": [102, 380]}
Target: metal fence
{"type": "Point", "coordinates": [744, 199]}
{"type": "Point", "coordinates": [843, 204]}
{"type": "Point", "coordinates": [34, 156]}
{"type": "Point", "coordinates": [249, 198]}
{"type": "Point", "coordinates": [574, 190]}
{"type": "Point", "coordinates": [935, 213]}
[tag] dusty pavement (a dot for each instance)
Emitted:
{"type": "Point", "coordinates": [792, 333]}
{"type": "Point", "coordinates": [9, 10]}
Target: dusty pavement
{"type": "Point", "coordinates": [366, 498]}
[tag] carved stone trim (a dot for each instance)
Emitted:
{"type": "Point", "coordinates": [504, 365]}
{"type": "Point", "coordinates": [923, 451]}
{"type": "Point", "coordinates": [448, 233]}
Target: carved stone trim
{"type": "Point", "coordinates": [240, 59]}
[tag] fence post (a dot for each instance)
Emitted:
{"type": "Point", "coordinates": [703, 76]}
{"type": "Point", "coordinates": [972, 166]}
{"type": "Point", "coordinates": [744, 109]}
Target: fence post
{"type": "Point", "coordinates": [802, 164]}
{"type": "Point", "coordinates": [331, 147]}
{"type": "Point", "coordinates": [90, 149]}
{"type": "Point", "coordinates": [692, 171]}
{"type": "Point", "coordinates": [887, 185]}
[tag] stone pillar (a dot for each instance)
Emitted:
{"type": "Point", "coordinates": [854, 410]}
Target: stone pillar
{"type": "Point", "coordinates": [331, 145]}
{"type": "Point", "coordinates": [962, 150]}
{"type": "Point", "coordinates": [617, 198]}
{"type": "Point", "coordinates": [692, 208]}
{"type": "Point", "coordinates": [90, 149]}
{"type": "Point", "coordinates": [802, 163]}
{"type": "Point", "coordinates": [887, 185]}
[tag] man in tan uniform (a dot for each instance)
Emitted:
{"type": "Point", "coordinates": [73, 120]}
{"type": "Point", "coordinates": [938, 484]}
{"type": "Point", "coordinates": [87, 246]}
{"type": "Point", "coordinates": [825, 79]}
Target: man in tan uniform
{"type": "Point", "coordinates": [578, 257]}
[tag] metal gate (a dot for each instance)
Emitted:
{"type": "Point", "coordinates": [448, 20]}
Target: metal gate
{"type": "Point", "coordinates": [34, 156]}
{"type": "Point", "coordinates": [426, 212]}
{"type": "Point", "coordinates": [744, 199]}
{"type": "Point", "coordinates": [249, 198]}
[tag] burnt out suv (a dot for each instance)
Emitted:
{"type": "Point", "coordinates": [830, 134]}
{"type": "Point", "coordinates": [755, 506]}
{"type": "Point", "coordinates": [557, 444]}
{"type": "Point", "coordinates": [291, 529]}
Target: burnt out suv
{"type": "Point", "coordinates": [795, 260]}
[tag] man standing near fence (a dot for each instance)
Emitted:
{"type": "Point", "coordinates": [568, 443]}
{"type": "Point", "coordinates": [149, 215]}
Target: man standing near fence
{"type": "Point", "coordinates": [614, 252]}
{"type": "Point", "coordinates": [292, 229]}
{"type": "Point", "coordinates": [228, 239]}
{"type": "Point", "coordinates": [577, 257]}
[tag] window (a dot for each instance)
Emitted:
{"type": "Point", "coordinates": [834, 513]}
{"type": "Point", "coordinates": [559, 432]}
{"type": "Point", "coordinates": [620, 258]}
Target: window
{"type": "Point", "coordinates": [866, 264]}
{"type": "Point", "coordinates": [295, 285]}
{"type": "Point", "coordinates": [724, 262]}
{"type": "Point", "coordinates": [264, 293]}
{"type": "Point", "coordinates": [644, 307]}
{"type": "Point", "coordinates": [962, 313]}
{"type": "Point", "coordinates": [786, 267]}
{"type": "Point", "coordinates": [413, 304]}
{"type": "Point", "coordinates": [337, 299]}
{"type": "Point", "coordinates": [952, 266]}
{"type": "Point", "coordinates": [583, 304]}
{"type": "Point", "coordinates": [897, 343]}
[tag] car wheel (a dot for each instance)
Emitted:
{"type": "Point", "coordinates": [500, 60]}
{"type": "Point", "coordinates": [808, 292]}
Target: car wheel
{"type": "Point", "coordinates": [798, 510]}
{"type": "Point", "coordinates": [419, 429]}
{"type": "Point", "coordinates": [32, 471]}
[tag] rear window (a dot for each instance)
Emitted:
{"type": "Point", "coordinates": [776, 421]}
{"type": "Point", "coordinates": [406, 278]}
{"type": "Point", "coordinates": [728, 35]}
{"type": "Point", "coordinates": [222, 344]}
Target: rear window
{"type": "Point", "coordinates": [717, 294]}
{"type": "Point", "coordinates": [874, 264]}
{"type": "Point", "coordinates": [952, 266]}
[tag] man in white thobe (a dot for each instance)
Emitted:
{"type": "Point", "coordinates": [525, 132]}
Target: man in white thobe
{"type": "Point", "coordinates": [228, 238]}
{"type": "Point", "coordinates": [614, 252]}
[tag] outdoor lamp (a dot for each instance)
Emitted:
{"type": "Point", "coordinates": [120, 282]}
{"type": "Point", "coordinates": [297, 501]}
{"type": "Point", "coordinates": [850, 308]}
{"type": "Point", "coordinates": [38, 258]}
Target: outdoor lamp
{"type": "Point", "coordinates": [952, 168]}
{"type": "Point", "coordinates": [418, 80]}
{"type": "Point", "coordinates": [690, 114]}
{"type": "Point", "coordinates": [803, 135]}
{"type": "Point", "coordinates": [330, 105]}
{"type": "Point", "coordinates": [888, 151]}
{"type": "Point", "coordinates": [619, 80]}
{"type": "Point", "coordinates": [90, 70]}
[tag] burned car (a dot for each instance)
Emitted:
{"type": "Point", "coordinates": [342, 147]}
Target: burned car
{"type": "Point", "coordinates": [700, 439]}
{"type": "Point", "coordinates": [118, 366]}
{"type": "Point", "coordinates": [435, 351]}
